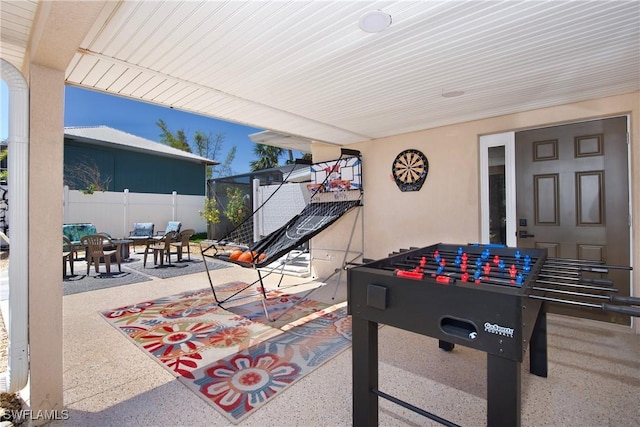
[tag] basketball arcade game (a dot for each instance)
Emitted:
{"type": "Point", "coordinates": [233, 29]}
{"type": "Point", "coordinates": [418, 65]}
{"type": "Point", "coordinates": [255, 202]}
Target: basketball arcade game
{"type": "Point", "coordinates": [336, 189]}
{"type": "Point", "coordinates": [483, 297]}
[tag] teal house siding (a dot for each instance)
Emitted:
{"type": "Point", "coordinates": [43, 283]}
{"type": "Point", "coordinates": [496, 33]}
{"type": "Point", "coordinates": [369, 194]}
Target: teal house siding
{"type": "Point", "coordinates": [155, 168]}
{"type": "Point", "coordinates": [139, 172]}
{"type": "Point", "coordinates": [142, 173]}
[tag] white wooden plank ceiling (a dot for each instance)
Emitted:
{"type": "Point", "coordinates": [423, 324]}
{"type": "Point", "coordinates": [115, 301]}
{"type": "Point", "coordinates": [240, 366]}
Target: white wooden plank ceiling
{"type": "Point", "coordinates": [16, 19]}
{"type": "Point", "coordinates": [304, 68]}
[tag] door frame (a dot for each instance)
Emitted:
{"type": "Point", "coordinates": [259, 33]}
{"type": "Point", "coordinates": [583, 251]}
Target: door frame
{"type": "Point", "coordinates": [507, 140]}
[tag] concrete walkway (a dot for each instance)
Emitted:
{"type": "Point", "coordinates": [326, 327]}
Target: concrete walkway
{"type": "Point", "coordinates": [594, 373]}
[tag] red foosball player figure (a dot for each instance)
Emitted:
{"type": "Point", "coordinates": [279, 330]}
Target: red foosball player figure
{"type": "Point", "coordinates": [513, 271]}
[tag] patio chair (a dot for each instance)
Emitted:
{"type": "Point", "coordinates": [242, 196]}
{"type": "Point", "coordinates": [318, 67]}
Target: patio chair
{"type": "Point", "coordinates": [142, 231]}
{"type": "Point", "coordinates": [100, 248]}
{"type": "Point", "coordinates": [161, 247]}
{"type": "Point", "coordinates": [182, 242]}
{"type": "Point", "coordinates": [69, 252]}
{"type": "Point", "coordinates": [171, 226]}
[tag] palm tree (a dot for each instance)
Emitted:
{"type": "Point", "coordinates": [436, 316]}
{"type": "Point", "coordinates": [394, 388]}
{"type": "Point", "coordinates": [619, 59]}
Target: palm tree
{"type": "Point", "coordinates": [267, 157]}
{"type": "Point", "coordinates": [179, 140]}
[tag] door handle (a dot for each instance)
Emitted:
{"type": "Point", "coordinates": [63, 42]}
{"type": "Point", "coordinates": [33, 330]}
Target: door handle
{"type": "Point", "coordinates": [523, 234]}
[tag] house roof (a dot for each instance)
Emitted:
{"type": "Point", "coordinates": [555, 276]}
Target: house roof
{"type": "Point", "coordinates": [297, 172]}
{"type": "Point", "coordinates": [104, 135]}
{"type": "Point", "coordinates": [277, 139]}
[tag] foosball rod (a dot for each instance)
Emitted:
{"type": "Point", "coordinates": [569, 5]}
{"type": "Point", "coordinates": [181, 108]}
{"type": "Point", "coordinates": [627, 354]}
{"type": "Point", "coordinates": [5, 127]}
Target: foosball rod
{"type": "Point", "coordinates": [503, 275]}
{"type": "Point", "coordinates": [629, 311]}
{"type": "Point", "coordinates": [471, 269]}
{"type": "Point", "coordinates": [575, 277]}
{"type": "Point", "coordinates": [571, 264]}
{"type": "Point", "coordinates": [577, 286]}
{"type": "Point", "coordinates": [575, 261]}
{"type": "Point", "coordinates": [491, 278]}
{"type": "Point", "coordinates": [452, 255]}
{"type": "Point", "coordinates": [502, 279]}
{"type": "Point", "coordinates": [578, 276]}
{"type": "Point", "coordinates": [432, 274]}
{"type": "Point", "coordinates": [611, 298]}
{"type": "Point", "coordinates": [604, 269]}
{"type": "Point", "coordinates": [472, 259]}
{"type": "Point", "coordinates": [554, 259]}
{"type": "Point", "coordinates": [450, 258]}
{"type": "Point", "coordinates": [580, 279]}
{"type": "Point", "coordinates": [447, 272]}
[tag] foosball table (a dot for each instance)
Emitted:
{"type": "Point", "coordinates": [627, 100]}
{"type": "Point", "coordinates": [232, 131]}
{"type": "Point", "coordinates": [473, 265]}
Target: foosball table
{"type": "Point", "coordinates": [480, 296]}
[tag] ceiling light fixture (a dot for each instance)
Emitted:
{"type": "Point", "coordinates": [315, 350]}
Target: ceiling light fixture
{"type": "Point", "coordinates": [452, 93]}
{"type": "Point", "coordinates": [374, 21]}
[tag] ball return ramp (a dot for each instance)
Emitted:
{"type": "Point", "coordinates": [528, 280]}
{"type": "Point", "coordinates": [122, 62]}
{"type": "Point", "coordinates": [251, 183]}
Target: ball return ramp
{"type": "Point", "coordinates": [338, 192]}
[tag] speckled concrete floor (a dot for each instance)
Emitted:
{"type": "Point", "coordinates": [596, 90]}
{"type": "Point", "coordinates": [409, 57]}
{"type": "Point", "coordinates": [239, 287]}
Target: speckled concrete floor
{"type": "Point", "coordinates": [594, 374]}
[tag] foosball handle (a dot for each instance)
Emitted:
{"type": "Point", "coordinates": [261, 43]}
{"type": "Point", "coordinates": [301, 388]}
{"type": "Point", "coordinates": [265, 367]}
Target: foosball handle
{"type": "Point", "coordinates": [600, 282]}
{"type": "Point", "coordinates": [603, 270]}
{"type": "Point", "coordinates": [629, 311]}
{"type": "Point", "coordinates": [625, 300]}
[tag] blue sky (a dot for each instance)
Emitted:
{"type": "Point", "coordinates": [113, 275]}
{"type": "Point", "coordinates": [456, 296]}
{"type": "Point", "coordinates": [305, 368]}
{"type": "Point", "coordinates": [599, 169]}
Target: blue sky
{"type": "Point", "coordinates": [90, 108]}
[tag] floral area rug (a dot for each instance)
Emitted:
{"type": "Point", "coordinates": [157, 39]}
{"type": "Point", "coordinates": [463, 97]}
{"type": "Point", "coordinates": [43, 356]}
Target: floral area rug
{"type": "Point", "coordinates": [233, 357]}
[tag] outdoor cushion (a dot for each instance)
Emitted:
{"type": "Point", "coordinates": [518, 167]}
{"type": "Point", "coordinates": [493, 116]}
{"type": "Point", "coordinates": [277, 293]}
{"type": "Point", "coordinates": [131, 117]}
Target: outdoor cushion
{"type": "Point", "coordinates": [75, 232]}
{"type": "Point", "coordinates": [173, 226]}
{"type": "Point", "coordinates": [142, 229]}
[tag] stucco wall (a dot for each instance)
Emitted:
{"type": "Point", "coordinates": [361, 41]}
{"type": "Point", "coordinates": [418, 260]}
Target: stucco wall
{"type": "Point", "coordinates": [447, 208]}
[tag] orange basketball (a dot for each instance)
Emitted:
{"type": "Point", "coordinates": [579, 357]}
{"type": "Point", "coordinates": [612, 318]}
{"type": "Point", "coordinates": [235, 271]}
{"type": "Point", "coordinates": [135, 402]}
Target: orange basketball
{"type": "Point", "coordinates": [245, 257]}
{"type": "Point", "coordinates": [262, 256]}
{"type": "Point", "coordinates": [235, 254]}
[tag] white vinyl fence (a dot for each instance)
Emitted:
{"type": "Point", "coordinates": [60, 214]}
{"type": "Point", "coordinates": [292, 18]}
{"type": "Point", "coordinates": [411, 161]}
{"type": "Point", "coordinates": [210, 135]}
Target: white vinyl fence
{"type": "Point", "coordinates": [115, 213]}
{"type": "Point", "coordinates": [288, 201]}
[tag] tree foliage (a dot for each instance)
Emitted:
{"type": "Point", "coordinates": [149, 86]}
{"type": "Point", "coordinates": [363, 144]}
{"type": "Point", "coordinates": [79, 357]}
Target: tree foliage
{"type": "Point", "coordinates": [210, 212]}
{"type": "Point", "coordinates": [205, 144]}
{"type": "Point", "coordinates": [179, 140]}
{"type": "Point", "coordinates": [3, 156]}
{"type": "Point", "coordinates": [268, 157]}
{"type": "Point", "coordinates": [210, 146]}
{"type": "Point", "coordinates": [236, 210]}
{"type": "Point", "coordinates": [85, 175]}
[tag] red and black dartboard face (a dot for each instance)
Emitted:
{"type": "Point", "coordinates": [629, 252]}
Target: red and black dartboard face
{"type": "Point", "coordinates": [410, 169]}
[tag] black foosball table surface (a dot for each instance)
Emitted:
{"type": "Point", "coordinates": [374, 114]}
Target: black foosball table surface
{"type": "Point", "coordinates": [471, 295]}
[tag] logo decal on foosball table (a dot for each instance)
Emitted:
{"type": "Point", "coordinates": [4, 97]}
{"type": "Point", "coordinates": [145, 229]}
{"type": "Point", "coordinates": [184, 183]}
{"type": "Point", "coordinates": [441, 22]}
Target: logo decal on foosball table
{"type": "Point", "coordinates": [494, 328]}
{"type": "Point", "coordinates": [410, 169]}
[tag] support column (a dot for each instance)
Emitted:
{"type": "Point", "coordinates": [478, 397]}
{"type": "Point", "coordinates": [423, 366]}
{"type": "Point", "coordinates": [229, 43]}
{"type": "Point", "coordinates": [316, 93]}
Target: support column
{"type": "Point", "coordinates": [45, 247]}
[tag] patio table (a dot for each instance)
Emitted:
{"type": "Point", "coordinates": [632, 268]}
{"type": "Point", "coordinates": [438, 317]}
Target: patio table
{"type": "Point", "coordinates": [123, 246]}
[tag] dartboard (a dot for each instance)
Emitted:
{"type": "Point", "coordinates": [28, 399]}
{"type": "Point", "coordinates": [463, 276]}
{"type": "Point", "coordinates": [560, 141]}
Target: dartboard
{"type": "Point", "coordinates": [410, 169]}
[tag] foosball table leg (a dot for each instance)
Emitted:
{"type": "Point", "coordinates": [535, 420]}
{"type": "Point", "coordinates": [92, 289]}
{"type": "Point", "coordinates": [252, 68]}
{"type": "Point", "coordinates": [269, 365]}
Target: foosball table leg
{"type": "Point", "coordinates": [538, 345]}
{"type": "Point", "coordinates": [365, 372]}
{"type": "Point", "coordinates": [503, 392]}
{"type": "Point", "coordinates": [446, 346]}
